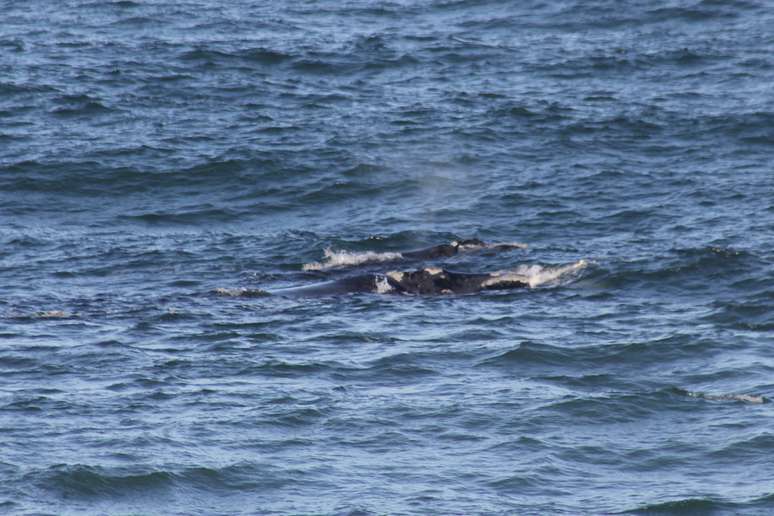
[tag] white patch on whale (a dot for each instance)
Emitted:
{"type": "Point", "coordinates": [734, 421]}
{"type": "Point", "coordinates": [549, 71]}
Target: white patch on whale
{"type": "Point", "coordinates": [383, 286]}
{"type": "Point", "coordinates": [395, 275]}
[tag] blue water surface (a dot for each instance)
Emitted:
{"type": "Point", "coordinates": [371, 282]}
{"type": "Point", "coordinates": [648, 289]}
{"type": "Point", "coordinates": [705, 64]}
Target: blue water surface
{"type": "Point", "coordinates": [162, 164]}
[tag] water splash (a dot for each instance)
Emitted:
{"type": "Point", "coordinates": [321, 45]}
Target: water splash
{"type": "Point", "coordinates": [345, 258]}
{"type": "Point", "coordinates": [53, 314]}
{"type": "Point", "coordinates": [537, 275]}
{"type": "Point", "coordinates": [744, 398]}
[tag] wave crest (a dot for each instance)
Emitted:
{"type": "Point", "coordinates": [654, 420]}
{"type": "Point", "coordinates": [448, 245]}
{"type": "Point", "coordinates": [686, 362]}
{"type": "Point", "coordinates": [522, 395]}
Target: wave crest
{"type": "Point", "coordinates": [345, 258]}
{"type": "Point", "coordinates": [537, 275]}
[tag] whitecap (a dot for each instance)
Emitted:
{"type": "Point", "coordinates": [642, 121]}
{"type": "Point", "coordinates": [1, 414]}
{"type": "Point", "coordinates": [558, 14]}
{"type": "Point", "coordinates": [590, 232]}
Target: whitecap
{"type": "Point", "coordinates": [744, 398]}
{"type": "Point", "coordinates": [514, 245]}
{"type": "Point", "coordinates": [345, 258]}
{"type": "Point", "coordinates": [537, 275]}
{"type": "Point", "coordinates": [53, 314]}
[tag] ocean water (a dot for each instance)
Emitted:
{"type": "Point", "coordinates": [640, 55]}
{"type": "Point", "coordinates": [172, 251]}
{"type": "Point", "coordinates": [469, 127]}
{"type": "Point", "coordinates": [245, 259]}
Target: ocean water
{"type": "Point", "coordinates": [165, 164]}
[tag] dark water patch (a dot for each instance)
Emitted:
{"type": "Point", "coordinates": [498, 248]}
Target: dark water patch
{"type": "Point", "coordinates": [528, 356]}
{"type": "Point", "coordinates": [614, 408]}
{"type": "Point", "coordinates": [78, 482]}
{"type": "Point", "coordinates": [122, 4]}
{"type": "Point", "coordinates": [203, 214]}
{"type": "Point", "coordinates": [748, 127]}
{"type": "Point", "coordinates": [700, 13]}
{"type": "Point", "coordinates": [285, 369]}
{"type": "Point", "coordinates": [31, 403]}
{"type": "Point", "coordinates": [15, 45]}
{"type": "Point", "coordinates": [10, 137]}
{"type": "Point", "coordinates": [692, 267]}
{"type": "Point", "coordinates": [80, 105]}
{"type": "Point", "coordinates": [8, 505]}
{"type": "Point", "coordinates": [748, 450]}
{"type": "Point", "coordinates": [750, 315]}
{"type": "Point", "coordinates": [591, 382]}
{"type": "Point", "coordinates": [682, 506]}
{"type": "Point", "coordinates": [139, 22]}
{"type": "Point", "coordinates": [16, 362]}
{"type": "Point", "coordinates": [9, 88]}
{"type": "Point", "coordinates": [89, 177]}
{"type": "Point", "coordinates": [262, 56]}
{"type": "Point", "coordinates": [610, 62]}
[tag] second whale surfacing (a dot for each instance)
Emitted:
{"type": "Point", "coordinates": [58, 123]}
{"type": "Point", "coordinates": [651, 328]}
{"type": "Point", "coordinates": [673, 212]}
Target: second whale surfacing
{"type": "Point", "coordinates": [334, 259]}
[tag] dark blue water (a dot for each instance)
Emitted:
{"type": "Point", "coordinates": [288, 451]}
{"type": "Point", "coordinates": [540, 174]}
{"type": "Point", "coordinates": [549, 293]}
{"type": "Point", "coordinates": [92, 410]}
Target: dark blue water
{"type": "Point", "coordinates": [161, 161]}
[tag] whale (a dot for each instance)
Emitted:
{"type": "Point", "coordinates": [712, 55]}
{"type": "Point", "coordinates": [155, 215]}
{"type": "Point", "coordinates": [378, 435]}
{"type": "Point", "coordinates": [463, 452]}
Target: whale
{"type": "Point", "coordinates": [456, 247]}
{"type": "Point", "coordinates": [337, 259]}
{"type": "Point", "coordinates": [425, 281]}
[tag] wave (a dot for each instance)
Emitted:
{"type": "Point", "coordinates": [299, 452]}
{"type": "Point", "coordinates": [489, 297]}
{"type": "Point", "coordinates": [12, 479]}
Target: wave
{"type": "Point", "coordinates": [206, 213]}
{"type": "Point", "coordinates": [240, 292]}
{"type": "Point", "coordinates": [42, 314]}
{"type": "Point", "coordinates": [538, 275]}
{"type": "Point", "coordinates": [743, 398]}
{"type": "Point", "coordinates": [345, 258]}
{"type": "Point", "coordinates": [82, 481]}
{"type": "Point", "coordinates": [53, 314]}
{"type": "Point", "coordinates": [350, 258]}
{"type": "Point", "coordinates": [690, 266]}
{"type": "Point", "coordinates": [256, 55]}
{"type": "Point", "coordinates": [8, 88]}
{"type": "Point", "coordinates": [123, 4]}
{"type": "Point", "coordinates": [761, 505]}
{"type": "Point", "coordinates": [684, 506]}
{"type": "Point", "coordinates": [647, 353]}
{"type": "Point", "coordinates": [89, 108]}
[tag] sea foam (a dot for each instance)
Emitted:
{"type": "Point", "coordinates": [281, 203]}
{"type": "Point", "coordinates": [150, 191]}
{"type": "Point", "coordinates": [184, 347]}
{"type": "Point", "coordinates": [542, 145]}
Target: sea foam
{"type": "Point", "coordinates": [537, 275]}
{"type": "Point", "coordinates": [344, 258]}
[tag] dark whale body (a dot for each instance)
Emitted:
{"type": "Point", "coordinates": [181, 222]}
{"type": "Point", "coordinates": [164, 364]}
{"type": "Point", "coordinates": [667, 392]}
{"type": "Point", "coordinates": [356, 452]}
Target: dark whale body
{"type": "Point", "coordinates": [426, 281]}
{"type": "Point", "coordinates": [443, 250]}
{"type": "Point", "coordinates": [352, 284]}
{"type": "Point", "coordinates": [437, 252]}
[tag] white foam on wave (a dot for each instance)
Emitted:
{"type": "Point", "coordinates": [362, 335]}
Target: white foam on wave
{"type": "Point", "coordinates": [240, 292]}
{"type": "Point", "coordinates": [537, 275]}
{"type": "Point", "coordinates": [744, 398]}
{"type": "Point", "coordinates": [345, 258]}
{"type": "Point", "coordinates": [514, 245]}
{"type": "Point", "coordinates": [53, 314]}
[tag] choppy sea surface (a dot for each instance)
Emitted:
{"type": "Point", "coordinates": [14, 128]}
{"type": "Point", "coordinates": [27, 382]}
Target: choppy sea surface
{"type": "Point", "coordinates": [164, 163]}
